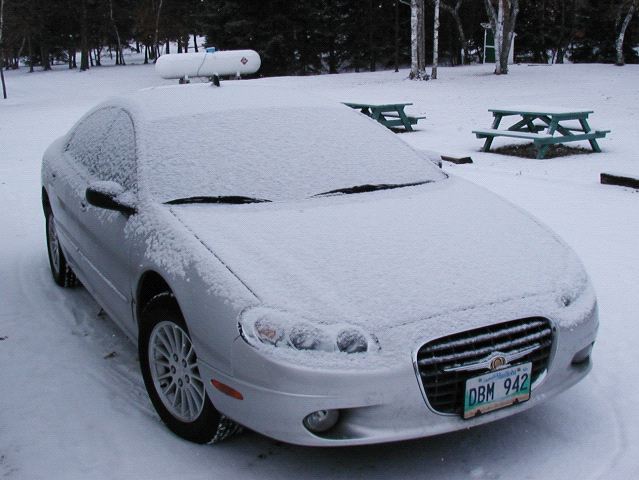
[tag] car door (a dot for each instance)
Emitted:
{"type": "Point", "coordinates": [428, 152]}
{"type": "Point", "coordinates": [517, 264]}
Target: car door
{"type": "Point", "coordinates": [99, 234]}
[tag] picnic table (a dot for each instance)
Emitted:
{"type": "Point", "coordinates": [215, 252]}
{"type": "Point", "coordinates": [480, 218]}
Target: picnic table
{"type": "Point", "coordinates": [541, 124]}
{"type": "Point", "coordinates": [391, 115]}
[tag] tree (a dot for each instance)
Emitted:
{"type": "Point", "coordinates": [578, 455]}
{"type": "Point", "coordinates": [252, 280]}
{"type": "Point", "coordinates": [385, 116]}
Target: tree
{"type": "Point", "coordinates": [603, 34]}
{"type": "Point", "coordinates": [4, 87]}
{"type": "Point", "coordinates": [435, 41]}
{"type": "Point", "coordinates": [454, 12]}
{"type": "Point", "coordinates": [84, 37]}
{"type": "Point", "coordinates": [417, 41]}
{"type": "Point", "coordinates": [502, 22]}
{"type": "Point", "coordinates": [156, 41]}
{"type": "Point", "coordinates": [631, 6]}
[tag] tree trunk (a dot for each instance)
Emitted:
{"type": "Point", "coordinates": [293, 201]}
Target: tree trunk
{"type": "Point", "coordinates": [499, 38]}
{"type": "Point", "coordinates": [418, 39]}
{"type": "Point", "coordinates": [44, 54]}
{"type": "Point", "coordinates": [435, 41]}
{"type": "Point", "coordinates": [454, 11]}
{"type": "Point", "coordinates": [195, 42]}
{"type": "Point", "coordinates": [397, 35]}
{"type": "Point", "coordinates": [117, 35]}
{"type": "Point", "coordinates": [622, 32]}
{"type": "Point", "coordinates": [30, 53]}
{"type": "Point", "coordinates": [156, 41]}
{"type": "Point", "coordinates": [371, 46]}
{"type": "Point", "coordinates": [502, 23]}
{"type": "Point", "coordinates": [146, 54]}
{"type": "Point", "coordinates": [4, 86]}
{"type": "Point", "coordinates": [84, 38]}
{"type": "Point", "coordinates": [510, 21]}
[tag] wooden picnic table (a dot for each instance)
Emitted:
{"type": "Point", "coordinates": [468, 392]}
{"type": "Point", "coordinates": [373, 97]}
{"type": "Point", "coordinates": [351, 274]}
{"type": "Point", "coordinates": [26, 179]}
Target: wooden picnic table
{"type": "Point", "coordinates": [541, 124]}
{"type": "Point", "coordinates": [391, 115]}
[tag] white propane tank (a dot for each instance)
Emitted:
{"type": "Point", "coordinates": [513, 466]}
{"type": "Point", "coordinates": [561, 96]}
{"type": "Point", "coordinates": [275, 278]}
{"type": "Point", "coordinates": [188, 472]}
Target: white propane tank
{"type": "Point", "coordinates": [205, 64]}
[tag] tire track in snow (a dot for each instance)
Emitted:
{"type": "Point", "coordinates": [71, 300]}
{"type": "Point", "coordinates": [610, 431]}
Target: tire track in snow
{"type": "Point", "coordinates": [119, 373]}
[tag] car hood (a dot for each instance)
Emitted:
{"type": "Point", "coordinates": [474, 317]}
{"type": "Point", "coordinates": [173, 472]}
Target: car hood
{"type": "Point", "coordinates": [388, 257]}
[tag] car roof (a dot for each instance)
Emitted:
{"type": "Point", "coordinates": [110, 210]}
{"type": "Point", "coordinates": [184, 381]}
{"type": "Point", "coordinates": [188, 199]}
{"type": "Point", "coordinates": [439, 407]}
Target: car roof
{"type": "Point", "coordinates": [155, 103]}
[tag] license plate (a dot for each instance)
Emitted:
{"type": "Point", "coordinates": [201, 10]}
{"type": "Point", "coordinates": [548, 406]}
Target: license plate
{"type": "Point", "coordinates": [497, 389]}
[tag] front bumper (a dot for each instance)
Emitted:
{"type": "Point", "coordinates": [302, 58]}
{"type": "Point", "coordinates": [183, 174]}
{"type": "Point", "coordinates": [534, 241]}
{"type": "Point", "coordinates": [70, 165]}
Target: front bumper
{"type": "Point", "coordinates": [380, 404]}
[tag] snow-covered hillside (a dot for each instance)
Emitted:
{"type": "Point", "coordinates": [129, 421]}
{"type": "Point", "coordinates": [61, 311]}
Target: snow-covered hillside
{"type": "Point", "coordinates": [72, 401]}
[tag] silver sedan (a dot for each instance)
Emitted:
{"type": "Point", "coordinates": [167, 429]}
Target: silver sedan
{"type": "Point", "coordinates": [289, 265]}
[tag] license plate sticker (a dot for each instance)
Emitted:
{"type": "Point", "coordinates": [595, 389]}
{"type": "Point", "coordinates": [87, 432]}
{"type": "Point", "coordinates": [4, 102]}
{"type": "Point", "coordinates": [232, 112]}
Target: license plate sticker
{"type": "Point", "coordinates": [498, 389]}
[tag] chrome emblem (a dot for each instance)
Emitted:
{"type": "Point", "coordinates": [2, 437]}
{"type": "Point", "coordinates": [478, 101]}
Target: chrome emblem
{"type": "Point", "coordinates": [497, 362]}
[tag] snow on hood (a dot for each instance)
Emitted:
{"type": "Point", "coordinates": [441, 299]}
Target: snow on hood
{"type": "Point", "coordinates": [389, 257]}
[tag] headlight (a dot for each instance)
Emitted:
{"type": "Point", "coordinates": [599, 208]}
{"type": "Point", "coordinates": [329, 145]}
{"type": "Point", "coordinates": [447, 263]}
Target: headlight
{"type": "Point", "coordinates": [272, 327]}
{"type": "Point", "coordinates": [351, 341]}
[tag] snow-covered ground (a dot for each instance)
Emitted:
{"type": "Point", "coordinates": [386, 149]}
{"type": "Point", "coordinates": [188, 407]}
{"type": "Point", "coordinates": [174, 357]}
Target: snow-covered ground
{"type": "Point", "coordinates": [72, 401]}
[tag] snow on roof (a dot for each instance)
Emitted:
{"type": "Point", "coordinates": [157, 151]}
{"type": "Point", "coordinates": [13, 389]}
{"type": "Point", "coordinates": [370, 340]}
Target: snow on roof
{"type": "Point", "coordinates": [156, 103]}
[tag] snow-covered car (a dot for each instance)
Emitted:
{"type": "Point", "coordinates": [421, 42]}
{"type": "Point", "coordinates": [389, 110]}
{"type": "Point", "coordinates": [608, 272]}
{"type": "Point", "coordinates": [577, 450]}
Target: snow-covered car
{"type": "Point", "coordinates": [287, 264]}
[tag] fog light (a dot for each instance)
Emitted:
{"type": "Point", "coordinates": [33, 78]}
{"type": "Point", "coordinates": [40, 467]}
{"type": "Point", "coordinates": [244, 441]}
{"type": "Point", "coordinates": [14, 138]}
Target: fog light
{"type": "Point", "coordinates": [321, 420]}
{"type": "Point", "coordinates": [582, 355]}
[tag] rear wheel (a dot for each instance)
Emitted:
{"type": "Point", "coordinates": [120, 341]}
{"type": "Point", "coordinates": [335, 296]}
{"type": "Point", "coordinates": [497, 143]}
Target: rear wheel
{"type": "Point", "coordinates": [171, 375]}
{"type": "Point", "coordinates": [61, 271]}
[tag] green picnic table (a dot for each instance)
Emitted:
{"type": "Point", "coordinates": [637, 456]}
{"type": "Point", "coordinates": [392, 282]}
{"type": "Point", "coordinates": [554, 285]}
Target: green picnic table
{"type": "Point", "coordinates": [391, 115]}
{"type": "Point", "coordinates": [545, 126]}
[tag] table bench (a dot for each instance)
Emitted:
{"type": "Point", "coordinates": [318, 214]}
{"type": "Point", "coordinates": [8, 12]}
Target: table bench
{"type": "Point", "coordinates": [534, 120]}
{"type": "Point", "coordinates": [391, 115]}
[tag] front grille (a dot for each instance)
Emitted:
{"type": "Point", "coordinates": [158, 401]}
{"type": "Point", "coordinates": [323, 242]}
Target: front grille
{"type": "Point", "coordinates": [445, 390]}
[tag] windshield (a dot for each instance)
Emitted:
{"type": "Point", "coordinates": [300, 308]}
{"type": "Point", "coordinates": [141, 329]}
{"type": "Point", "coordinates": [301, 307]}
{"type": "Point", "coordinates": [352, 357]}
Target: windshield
{"type": "Point", "coordinates": [277, 153]}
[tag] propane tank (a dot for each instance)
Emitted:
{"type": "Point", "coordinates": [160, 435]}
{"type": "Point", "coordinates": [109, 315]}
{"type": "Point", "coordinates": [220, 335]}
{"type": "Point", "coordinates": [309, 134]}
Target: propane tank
{"type": "Point", "coordinates": [207, 64]}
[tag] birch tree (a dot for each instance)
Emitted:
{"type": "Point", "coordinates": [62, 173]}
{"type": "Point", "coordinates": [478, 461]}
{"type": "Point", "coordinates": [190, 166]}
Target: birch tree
{"type": "Point", "coordinates": [502, 22]}
{"type": "Point", "coordinates": [435, 41]}
{"type": "Point", "coordinates": [4, 87]}
{"type": "Point", "coordinates": [417, 41]}
{"type": "Point", "coordinates": [632, 7]}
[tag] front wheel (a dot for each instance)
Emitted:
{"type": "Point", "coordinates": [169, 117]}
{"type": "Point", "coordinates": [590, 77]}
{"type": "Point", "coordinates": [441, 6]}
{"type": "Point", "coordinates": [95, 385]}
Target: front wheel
{"type": "Point", "coordinates": [171, 375]}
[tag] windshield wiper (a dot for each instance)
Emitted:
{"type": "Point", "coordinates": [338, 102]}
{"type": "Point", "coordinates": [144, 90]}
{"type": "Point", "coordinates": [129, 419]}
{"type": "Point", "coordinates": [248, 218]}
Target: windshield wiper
{"type": "Point", "coordinates": [232, 199]}
{"type": "Point", "coordinates": [371, 188]}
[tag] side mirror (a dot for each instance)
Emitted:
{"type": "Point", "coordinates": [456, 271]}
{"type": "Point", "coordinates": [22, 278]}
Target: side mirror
{"type": "Point", "coordinates": [109, 195]}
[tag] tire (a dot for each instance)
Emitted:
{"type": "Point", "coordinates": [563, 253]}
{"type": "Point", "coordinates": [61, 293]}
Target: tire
{"type": "Point", "coordinates": [62, 273]}
{"type": "Point", "coordinates": [172, 378]}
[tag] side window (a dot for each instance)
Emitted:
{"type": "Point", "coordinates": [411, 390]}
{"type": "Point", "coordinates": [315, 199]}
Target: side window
{"type": "Point", "coordinates": [104, 143]}
{"type": "Point", "coordinates": [116, 161]}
